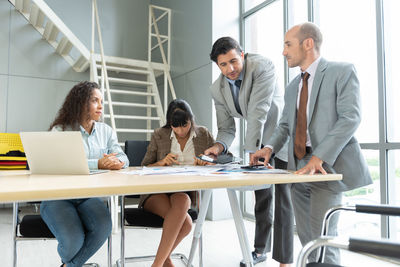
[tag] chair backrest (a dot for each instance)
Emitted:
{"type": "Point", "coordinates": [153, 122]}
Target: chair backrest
{"type": "Point", "coordinates": [135, 150]}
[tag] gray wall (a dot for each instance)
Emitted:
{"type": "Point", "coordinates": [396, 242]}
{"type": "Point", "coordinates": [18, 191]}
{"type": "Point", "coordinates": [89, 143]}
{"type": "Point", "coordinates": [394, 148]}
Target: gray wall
{"type": "Point", "coordinates": [190, 64]}
{"type": "Point", "coordinates": [34, 79]}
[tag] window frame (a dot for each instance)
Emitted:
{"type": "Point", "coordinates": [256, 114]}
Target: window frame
{"type": "Point", "coordinates": [383, 145]}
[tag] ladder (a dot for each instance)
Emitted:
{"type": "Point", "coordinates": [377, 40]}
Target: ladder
{"type": "Point", "coordinates": [131, 93]}
{"type": "Point", "coordinates": [137, 103]}
{"type": "Point", "coordinates": [55, 32]}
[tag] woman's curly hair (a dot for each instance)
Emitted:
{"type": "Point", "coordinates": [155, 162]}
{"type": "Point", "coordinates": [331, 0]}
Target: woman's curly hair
{"type": "Point", "coordinates": [76, 104]}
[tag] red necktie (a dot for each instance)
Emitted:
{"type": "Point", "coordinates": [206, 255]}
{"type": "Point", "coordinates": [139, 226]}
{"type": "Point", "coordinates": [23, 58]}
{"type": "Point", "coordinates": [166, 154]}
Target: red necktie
{"type": "Point", "coordinates": [301, 125]}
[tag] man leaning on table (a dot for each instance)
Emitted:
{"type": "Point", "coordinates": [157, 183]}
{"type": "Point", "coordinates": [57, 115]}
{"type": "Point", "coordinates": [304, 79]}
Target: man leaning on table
{"type": "Point", "coordinates": [247, 89]}
{"type": "Point", "coordinates": [320, 117]}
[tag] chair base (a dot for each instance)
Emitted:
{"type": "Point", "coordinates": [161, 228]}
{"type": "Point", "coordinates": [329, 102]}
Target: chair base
{"type": "Point", "coordinates": [178, 256]}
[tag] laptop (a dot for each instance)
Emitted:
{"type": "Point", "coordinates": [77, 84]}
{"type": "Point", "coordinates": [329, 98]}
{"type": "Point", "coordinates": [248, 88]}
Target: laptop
{"type": "Point", "coordinates": [56, 153]}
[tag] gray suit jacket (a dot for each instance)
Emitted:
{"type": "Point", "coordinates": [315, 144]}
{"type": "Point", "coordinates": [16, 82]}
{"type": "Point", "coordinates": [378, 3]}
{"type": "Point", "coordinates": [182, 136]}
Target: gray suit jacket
{"type": "Point", "coordinates": [260, 100]}
{"type": "Point", "coordinates": [334, 116]}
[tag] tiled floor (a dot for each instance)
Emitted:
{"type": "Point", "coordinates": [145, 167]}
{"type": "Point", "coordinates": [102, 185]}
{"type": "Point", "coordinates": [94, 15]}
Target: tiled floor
{"type": "Point", "coordinates": [221, 247]}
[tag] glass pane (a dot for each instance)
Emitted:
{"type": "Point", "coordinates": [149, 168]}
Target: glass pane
{"type": "Point", "coordinates": [298, 12]}
{"type": "Point", "coordinates": [354, 40]}
{"type": "Point", "coordinates": [392, 54]}
{"type": "Point", "coordinates": [356, 224]}
{"type": "Point", "coordinates": [249, 4]}
{"type": "Point", "coordinates": [394, 190]}
{"type": "Point", "coordinates": [249, 202]}
{"type": "Point", "coordinates": [264, 35]}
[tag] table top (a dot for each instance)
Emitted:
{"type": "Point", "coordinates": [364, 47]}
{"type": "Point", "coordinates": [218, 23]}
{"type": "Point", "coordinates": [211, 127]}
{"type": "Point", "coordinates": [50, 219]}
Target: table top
{"type": "Point", "coordinates": [20, 186]}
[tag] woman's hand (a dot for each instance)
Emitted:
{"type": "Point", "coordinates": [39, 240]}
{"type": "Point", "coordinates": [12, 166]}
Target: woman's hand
{"type": "Point", "coordinates": [110, 162]}
{"type": "Point", "coordinates": [169, 160]}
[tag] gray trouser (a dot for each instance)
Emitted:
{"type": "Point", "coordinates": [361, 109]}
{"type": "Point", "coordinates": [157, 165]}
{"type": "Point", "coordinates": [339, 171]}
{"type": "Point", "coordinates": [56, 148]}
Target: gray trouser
{"type": "Point", "coordinates": [310, 203]}
{"type": "Point", "coordinates": [283, 222]}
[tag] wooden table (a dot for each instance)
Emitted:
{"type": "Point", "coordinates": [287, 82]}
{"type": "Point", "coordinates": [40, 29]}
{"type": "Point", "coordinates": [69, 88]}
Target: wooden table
{"type": "Point", "coordinates": [20, 186]}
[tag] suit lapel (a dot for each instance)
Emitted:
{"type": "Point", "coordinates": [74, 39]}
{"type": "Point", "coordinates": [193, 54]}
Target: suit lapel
{"type": "Point", "coordinates": [319, 75]}
{"type": "Point", "coordinates": [242, 99]}
{"type": "Point", "coordinates": [292, 113]}
{"type": "Point", "coordinates": [226, 92]}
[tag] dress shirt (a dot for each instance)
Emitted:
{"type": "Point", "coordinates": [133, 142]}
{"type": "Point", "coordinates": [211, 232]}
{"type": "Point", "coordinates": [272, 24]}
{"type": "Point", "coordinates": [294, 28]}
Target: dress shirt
{"type": "Point", "coordinates": [102, 140]}
{"type": "Point", "coordinates": [185, 157]}
{"type": "Point", "coordinates": [235, 95]}
{"type": "Point", "coordinates": [311, 70]}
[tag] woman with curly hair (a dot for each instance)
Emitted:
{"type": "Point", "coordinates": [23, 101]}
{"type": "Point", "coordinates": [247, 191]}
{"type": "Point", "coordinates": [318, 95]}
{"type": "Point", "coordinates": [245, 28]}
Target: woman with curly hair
{"type": "Point", "coordinates": [81, 226]}
{"type": "Point", "coordinates": [176, 143]}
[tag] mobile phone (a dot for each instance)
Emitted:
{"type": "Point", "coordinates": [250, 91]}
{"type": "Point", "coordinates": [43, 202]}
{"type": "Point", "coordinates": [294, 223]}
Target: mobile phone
{"type": "Point", "coordinates": [253, 167]}
{"type": "Point", "coordinates": [206, 158]}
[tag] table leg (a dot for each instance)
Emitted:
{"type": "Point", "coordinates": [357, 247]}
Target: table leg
{"type": "Point", "coordinates": [199, 224]}
{"type": "Point", "coordinates": [241, 231]}
{"type": "Point", "coordinates": [114, 214]}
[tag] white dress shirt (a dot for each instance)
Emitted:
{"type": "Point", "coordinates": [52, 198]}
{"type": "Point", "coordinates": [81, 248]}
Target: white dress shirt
{"type": "Point", "coordinates": [185, 157]}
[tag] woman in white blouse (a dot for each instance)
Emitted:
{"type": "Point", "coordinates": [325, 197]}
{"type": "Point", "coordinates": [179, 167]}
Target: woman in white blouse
{"type": "Point", "coordinates": [176, 143]}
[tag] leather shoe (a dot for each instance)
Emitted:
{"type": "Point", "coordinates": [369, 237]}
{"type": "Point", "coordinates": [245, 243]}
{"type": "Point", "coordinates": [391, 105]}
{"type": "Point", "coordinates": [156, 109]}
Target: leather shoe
{"type": "Point", "coordinates": [256, 259]}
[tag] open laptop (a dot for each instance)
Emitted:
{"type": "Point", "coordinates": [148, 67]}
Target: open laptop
{"type": "Point", "coordinates": [56, 153]}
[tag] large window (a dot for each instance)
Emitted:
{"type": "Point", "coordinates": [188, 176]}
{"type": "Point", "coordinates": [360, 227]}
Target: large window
{"type": "Point", "coordinates": [263, 39]}
{"type": "Point", "coordinates": [352, 40]}
{"type": "Point", "coordinates": [263, 34]}
{"type": "Point", "coordinates": [369, 41]}
{"type": "Point", "coordinates": [392, 44]}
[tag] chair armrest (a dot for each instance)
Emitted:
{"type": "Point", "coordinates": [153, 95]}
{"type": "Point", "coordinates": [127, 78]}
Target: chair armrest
{"type": "Point", "coordinates": [380, 247]}
{"type": "Point", "coordinates": [379, 209]}
{"type": "Point", "coordinates": [317, 243]}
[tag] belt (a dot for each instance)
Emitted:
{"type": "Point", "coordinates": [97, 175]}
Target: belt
{"type": "Point", "coordinates": [308, 149]}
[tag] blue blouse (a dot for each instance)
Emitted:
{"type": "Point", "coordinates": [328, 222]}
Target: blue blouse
{"type": "Point", "coordinates": [102, 140]}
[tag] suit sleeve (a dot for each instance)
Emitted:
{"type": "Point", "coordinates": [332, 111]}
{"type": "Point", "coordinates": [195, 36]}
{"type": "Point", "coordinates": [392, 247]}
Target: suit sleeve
{"type": "Point", "coordinates": [259, 103]}
{"type": "Point", "coordinates": [348, 108]}
{"type": "Point", "coordinates": [151, 153]}
{"type": "Point", "coordinates": [281, 133]}
{"type": "Point", "coordinates": [225, 122]}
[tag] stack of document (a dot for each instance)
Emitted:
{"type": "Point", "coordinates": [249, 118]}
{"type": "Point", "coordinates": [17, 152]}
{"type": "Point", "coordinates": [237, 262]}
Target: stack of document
{"type": "Point", "coordinates": [12, 156]}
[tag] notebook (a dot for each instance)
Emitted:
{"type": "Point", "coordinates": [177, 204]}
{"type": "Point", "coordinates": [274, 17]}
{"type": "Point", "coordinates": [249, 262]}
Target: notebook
{"type": "Point", "coordinates": [56, 153]}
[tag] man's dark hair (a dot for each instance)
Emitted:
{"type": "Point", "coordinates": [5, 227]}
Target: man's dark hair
{"type": "Point", "coordinates": [222, 46]}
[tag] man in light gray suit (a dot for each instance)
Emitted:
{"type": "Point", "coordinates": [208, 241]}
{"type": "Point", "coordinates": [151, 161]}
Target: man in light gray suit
{"type": "Point", "coordinates": [320, 117]}
{"type": "Point", "coordinates": [247, 89]}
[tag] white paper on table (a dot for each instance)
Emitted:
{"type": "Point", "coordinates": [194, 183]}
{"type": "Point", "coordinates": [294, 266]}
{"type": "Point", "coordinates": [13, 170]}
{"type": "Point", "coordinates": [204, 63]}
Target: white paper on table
{"type": "Point", "coordinates": [184, 170]}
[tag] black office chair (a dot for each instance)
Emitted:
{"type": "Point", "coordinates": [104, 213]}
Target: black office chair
{"type": "Point", "coordinates": [139, 218]}
{"type": "Point", "coordinates": [32, 227]}
{"type": "Point", "coordinates": [377, 247]}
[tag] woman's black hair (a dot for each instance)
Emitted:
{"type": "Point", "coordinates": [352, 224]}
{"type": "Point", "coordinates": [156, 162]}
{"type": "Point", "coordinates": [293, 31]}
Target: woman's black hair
{"type": "Point", "coordinates": [178, 114]}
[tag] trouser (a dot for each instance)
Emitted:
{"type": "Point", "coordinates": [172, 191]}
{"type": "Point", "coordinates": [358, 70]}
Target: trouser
{"type": "Point", "coordinates": [283, 220]}
{"type": "Point", "coordinates": [310, 203]}
{"type": "Point", "coordinates": [81, 226]}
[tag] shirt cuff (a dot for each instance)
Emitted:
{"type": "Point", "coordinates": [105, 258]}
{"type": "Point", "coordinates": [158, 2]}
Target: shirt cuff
{"type": "Point", "coordinates": [223, 144]}
{"type": "Point", "coordinates": [93, 164]}
{"type": "Point", "coordinates": [269, 146]}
